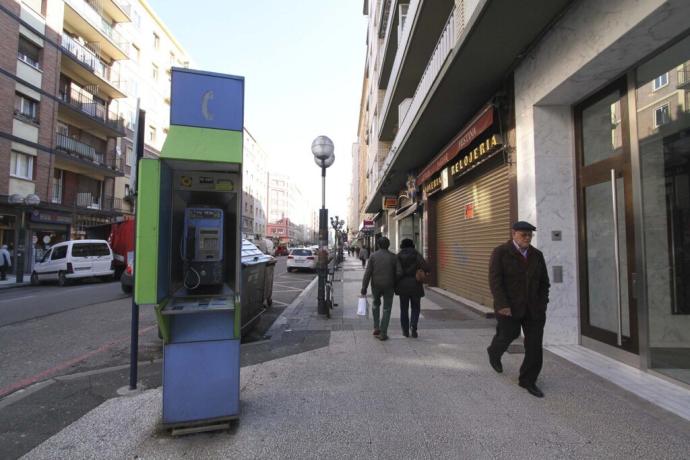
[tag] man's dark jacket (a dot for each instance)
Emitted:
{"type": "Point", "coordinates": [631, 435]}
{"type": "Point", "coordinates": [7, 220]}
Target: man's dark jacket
{"type": "Point", "coordinates": [520, 283]}
{"type": "Point", "coordinates": [380, 271]}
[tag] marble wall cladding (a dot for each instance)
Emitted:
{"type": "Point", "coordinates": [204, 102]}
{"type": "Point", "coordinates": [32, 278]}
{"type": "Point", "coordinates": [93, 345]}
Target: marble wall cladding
{"type": "Point", "coordinates": [546, 197]}
{"type": "Point", "coordinates": [594, 42]}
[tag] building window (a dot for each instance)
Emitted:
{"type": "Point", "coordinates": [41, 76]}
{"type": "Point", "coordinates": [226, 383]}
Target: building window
{"type": "Point", "coordinates": [25, 107]}
{"type": "Point", "coordinates": [28, 52]}
{"type": "Point", "coordinates": [22, 166]}
{"type": "Point", "coordinates": [156, 41]}
{"type": "Point", "coordinates": [57, 186]}
{"type": "Point", "coordinates": [129, 153]}
{"type": "Point", "coordinates": [154, 73]}
{"type": "Point", "coordinates": [152, 134]}
{"type": "Point", "coordinates": [134, 89]}
{"type": "Point", "coordinates": [172, 59]}
{"type": "Point", "coordinates": [662, 115]}
{"type": "Point", "coordinates": [136, 53]}
{"type": "Point", "coordinates": [136, 19]}
{"type": "Point", "coordinates": [127, 190]}
{"type": "Point", "coordinates": [660, 81]}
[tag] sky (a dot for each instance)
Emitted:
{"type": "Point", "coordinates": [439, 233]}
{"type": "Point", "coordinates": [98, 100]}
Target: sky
{"type": "Point", "coordinates": [303, 64]}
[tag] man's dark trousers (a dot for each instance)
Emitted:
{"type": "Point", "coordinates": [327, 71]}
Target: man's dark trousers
{"type": "Point", "coordinates": [381, 320]}
{"type": "Point", "coordinates": [507, 330]}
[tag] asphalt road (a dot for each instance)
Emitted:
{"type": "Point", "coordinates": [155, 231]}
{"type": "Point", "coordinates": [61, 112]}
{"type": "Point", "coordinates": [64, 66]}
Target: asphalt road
{"type": "Point", "coordinates": [48, 331]}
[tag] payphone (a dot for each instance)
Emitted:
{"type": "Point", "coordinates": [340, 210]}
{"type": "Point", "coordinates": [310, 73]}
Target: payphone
{"type": "Point", "coordinates": [203, 248]}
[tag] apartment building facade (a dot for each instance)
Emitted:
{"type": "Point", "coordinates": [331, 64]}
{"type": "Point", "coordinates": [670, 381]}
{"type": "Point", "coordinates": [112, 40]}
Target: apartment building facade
{"type": "Point", "coordinates": [290, 211]}
{"type": "Point", "coordinates": [152, 51]}
{"type": "Point", "coordinates": [59, 142]}
{"type": "Point", "coordinates": [573, 115]}
{"type": "Point", "coordinates": [354, 217]}
{"type": "Point", "coordinates": [68, 139]}
{"type": "Point", "coordinates": [255, 189]}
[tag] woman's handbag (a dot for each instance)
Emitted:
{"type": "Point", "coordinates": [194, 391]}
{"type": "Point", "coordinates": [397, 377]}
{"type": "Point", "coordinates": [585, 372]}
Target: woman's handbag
{"type": "Point", "coordinates": [420, 276]}
{"type": "Point", "coordinates": [362, 306]}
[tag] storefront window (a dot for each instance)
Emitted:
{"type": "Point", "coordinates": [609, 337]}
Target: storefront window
{"type": "Point", "coordinates": [663, 127]}
{"type": "Point", "coordinates": [7, 223]}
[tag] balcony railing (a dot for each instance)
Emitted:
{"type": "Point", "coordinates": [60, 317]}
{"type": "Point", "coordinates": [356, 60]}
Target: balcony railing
{"type": "Point", "coordinates": [25, 58]}
{"type": "Point", "coordinates": [98, 21]}
{"type": "Point", "coordinates": [80, 149]}
{"type": "Point", "coordinates": [85, 102]}
{"type": "Point", "coordinates": [87, 152]}
{"type": "Point", "coordinates": [89, 59]}
{"type": "Point", "coordinates": [444, 46]}
{"type": "Point", "coordinates": [95, 201]}
{"type": "Point", "coordinates": [399, 55]}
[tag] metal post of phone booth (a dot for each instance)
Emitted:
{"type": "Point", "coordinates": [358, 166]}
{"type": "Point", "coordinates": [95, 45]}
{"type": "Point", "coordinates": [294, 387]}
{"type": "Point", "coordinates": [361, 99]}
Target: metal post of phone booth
{"type": "Point", "coordinates": [188, 249]}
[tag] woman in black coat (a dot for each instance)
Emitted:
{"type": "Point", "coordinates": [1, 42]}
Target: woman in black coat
{"type": "Point", "coordinates": [407, 287]}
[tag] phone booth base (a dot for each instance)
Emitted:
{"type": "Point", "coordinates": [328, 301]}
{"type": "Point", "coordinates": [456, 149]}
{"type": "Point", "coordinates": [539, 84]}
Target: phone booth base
{"type": "Point", "coordinates": [201, 366]}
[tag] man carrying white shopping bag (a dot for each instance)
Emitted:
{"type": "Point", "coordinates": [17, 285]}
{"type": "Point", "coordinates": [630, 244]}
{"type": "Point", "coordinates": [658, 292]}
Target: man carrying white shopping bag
{"type": "Point", "coordinates": [362, 306]}
{"type": "Point", "coordinates": [381, 272]}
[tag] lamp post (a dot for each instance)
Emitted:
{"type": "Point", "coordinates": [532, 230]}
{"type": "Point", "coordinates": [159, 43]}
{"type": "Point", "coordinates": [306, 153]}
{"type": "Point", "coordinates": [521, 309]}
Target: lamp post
{"type": "Point", "coordinates": [322, 149]}
{"type": "Point", "coordinates": [25, 203]}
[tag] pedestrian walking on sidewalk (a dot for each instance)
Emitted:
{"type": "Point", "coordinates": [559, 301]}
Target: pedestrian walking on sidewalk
{"type": "Point", "coordinates": [381, 272]}
{"type": "Point", "coordinates": [520, 285]}
{"type": "Point", "coordinates": [409, 289]}
{"type": "Point", "coordinates": [363, 255]}
{"type": "Point", "coordinates": [5, 262]}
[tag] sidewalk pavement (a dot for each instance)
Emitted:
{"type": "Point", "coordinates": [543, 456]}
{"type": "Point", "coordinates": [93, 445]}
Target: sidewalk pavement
{"type": "Point", "coordinates": [352, 396]}
{"type": "Point", "coordinates": [11, 282]}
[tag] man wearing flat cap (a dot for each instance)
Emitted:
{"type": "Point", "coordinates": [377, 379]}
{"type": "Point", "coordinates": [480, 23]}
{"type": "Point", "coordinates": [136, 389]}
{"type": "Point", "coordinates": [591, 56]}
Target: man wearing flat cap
{"type": "Point", "coordinates": [520, 285]}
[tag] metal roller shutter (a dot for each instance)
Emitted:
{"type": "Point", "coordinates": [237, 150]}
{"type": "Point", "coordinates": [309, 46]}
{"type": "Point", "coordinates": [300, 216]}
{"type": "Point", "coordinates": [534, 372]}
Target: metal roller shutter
{"type": "Point", "coordinates": [464, 245]}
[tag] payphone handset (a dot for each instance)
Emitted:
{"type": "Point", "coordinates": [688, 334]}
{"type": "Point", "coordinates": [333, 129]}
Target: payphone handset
{"type": "Point", "coordinates": [202, 248]}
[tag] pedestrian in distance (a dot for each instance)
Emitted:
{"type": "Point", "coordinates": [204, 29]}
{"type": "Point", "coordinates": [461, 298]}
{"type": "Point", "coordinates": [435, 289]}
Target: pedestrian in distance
{"type": "Point", "coordinates": [520, 285]}
{"type": "Point", "coordinates": [5, 262]}
{"type": "Point", "coordinates": [357, 251]}
{"type": "Point", "coordinates": [381, 271]}
{"type": "Point", "coordinates": [409, 287]}
{"type": "Point", "coordinates": [363, 255]}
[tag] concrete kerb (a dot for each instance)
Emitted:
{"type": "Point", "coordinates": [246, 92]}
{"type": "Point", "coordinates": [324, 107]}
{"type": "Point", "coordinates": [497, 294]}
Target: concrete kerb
{"type": "Point", "coordinates": [14, 285]}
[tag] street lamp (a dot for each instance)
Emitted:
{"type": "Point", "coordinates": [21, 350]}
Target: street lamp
{"type": "Point", "coordinates": [322, 148]}
{"type": "Point", "coordinates": [24, 203]}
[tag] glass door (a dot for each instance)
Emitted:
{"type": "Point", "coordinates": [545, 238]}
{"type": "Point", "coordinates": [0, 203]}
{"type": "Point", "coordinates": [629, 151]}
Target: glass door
{"type": "Point", "coordinates": [607, 259]}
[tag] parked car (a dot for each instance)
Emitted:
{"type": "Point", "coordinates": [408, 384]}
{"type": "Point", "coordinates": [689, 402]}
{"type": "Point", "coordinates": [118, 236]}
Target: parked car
{"type": "Point", "coordinates": [281, 251]}
{"type": "Point", "coordinates": [265, 245]}
{"type": "Point", "coordinates": [301, 258]}
{"type": "Point", "coordinates": [127, 277]}
{"type": "Point", "coordinates": [75, 259]}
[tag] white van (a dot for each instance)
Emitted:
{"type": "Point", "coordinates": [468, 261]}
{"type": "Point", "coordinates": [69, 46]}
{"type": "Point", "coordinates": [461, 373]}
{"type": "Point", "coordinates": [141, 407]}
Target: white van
{"type": "Point", "coordinates": [75, 259]}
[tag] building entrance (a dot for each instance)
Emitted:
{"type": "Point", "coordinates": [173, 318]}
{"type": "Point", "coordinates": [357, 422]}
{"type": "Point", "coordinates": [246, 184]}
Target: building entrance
{"type": "Point", "coordinates": [607, 258]}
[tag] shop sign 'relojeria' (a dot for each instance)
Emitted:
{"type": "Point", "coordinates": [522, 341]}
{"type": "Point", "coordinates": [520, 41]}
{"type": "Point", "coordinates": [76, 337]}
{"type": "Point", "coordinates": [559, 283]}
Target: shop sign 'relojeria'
{"type": "Point", "coordinates": [477, 155]}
